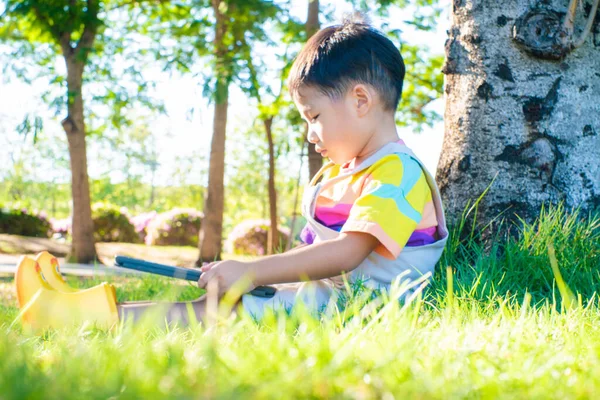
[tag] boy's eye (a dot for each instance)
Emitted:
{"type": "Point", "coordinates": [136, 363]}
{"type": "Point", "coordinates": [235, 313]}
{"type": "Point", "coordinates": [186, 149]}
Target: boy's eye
{"type": "Point", "coordinates": [313, 119]}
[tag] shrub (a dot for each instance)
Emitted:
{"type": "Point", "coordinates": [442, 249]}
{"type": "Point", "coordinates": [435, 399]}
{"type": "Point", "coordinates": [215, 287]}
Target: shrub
{"type": "Point", "coordinates": [61, 227]}
{"type": "Point", "coordinates": [178, 227]}
{"type": "Point", "coordinates": [111, 224]}
{"type": "Point", "coordinates": [16, 221]}
{"type": "Point", "coordinates": [250, 238]}
{"type": "Point", "coordinates": [141, 223]}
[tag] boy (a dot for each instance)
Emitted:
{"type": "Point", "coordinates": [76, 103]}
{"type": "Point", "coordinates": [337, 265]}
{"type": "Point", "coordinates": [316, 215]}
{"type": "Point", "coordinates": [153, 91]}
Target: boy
{"type": "Point", "coordinates": [375, 215]}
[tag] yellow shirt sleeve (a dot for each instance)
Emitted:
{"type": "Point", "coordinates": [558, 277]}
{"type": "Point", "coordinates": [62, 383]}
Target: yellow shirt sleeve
{"type": "Point", "coordinates": [391, 203]}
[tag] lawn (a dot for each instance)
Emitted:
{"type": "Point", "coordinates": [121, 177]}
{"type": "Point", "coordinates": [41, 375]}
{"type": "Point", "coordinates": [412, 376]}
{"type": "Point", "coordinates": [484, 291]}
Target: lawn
{"type": "Point", "coordinates": [497, 324]}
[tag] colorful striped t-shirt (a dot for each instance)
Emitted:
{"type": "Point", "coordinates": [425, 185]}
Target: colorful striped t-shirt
{"type": "Point", "coordinates": [390, 200]}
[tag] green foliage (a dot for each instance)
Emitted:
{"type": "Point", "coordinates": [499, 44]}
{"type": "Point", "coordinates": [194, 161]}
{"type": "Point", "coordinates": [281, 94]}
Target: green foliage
{"type": "Point", "coordinates": [31, 124]}
{"type": "Point", "coordinates": [178, 227]}
{"type": "Point", "coordinates": [112, 225]}
{"type": "Point", "coordinates": [99, 33]}
{"type": "Point", "coordinates": [55, 198]}
{"type": "Point", "coordinates": [226, 61]}
{"type": "Point", "coordinates": [246, 195]}
{"type": "Point", "coordinates": [425, 13]}
{"type": "Point", "coordinates": [16, 221]}
{"type": "Point", "coordinates": [423, 83]}
{"type": "Point", "coordinates": [135, 195]}
{"type": "Point", "coordinates": [31, 169]}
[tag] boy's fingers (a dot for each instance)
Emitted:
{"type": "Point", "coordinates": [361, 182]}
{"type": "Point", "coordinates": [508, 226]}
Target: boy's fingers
{"type": "Point", "coordinates": [203, 281]}
{"type": "Point", "coordinates": [211, 280]}
{"type": "Point", "coordinates": [207, 266]}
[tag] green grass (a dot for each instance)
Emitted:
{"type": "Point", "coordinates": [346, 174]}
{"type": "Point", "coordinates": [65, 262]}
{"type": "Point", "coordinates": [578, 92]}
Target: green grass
{"type": "Point", "coordinates": [503, 331]}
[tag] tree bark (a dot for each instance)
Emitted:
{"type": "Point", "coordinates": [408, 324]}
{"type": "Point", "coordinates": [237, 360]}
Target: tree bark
{"type": "Point", "coordinates": [83, 249]}
{"type": "Point", "coordinates": [211, 229]}
{"type": "Point", "coordinates": [529, 125]}
{"type": "Point", "coordinates": [273, 235]}
{"type": "Point", "coordinates": [315, 161]}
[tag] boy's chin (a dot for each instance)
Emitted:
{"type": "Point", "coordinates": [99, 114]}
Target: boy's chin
{"type": "Point", "coordinates": [338, 161]}
{"type": "Point", "coordinates": [334, 160]}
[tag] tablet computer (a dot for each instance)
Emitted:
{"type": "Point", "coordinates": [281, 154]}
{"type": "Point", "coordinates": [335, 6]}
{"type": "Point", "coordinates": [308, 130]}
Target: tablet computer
{"type": "Point", "coordinates": [179, 273]}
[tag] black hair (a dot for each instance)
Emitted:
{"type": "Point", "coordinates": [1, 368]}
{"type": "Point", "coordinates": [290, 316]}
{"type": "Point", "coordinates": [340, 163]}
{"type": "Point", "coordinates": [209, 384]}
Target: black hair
{"type": "Point", "coordinates": [339, 56]}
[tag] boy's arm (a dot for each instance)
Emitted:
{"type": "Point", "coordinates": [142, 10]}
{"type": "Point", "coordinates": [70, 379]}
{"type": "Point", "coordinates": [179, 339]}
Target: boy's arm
{"type": "Point", "coordinates": [294, 249]}
{"type": "Point", "coordinates": [317, 261]}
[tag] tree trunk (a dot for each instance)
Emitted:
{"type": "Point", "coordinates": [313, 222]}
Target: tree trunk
{"type": "Point", "coordinates": [212, 224]}
{"type": "Point", "coordinates": [528, 124]}
{"type": "Point", "coordinates": [211, 229]}
{"type": "Point", "coordinates": [315, 161]}
{"type": "Point", "coordinates": [288, 244]}
{"type": "Point", "coordinates": [152, 187]}
{"type": "Point", "coordinates": [83, 249]}
{"type": "Point", "coordinates": [273, 236]}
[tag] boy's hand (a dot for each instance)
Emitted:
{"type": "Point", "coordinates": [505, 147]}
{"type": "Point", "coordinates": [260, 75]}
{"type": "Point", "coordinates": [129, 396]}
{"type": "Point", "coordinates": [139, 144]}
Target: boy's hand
{"type": "Point", "coordinates": [227, 273]}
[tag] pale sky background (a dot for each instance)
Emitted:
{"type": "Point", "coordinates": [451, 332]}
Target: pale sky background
{"type": "Point", "coordinates": [182, 134]}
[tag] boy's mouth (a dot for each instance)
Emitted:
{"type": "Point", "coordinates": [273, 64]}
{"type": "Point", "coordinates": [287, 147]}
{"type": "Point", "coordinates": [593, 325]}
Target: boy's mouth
{"type": "Point", "coordinates": [323, 152]}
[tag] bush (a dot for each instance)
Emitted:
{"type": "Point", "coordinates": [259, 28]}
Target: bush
{"type": "Point", "coordinates": [111, 224]}
{"type": "Point", "coordinates": [61, 227]}
{"type": "Point", "coordinates": [178, 227]}
{"type": "Point", "coordinates": [250, 238]}
{"type": "Point", "coordinates": [142, 222]}
{"type": "Point", "coordinates": [21, 222]}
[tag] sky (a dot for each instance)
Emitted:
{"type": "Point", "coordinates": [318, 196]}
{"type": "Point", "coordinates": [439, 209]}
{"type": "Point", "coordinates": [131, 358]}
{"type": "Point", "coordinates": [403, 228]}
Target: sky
{"type": "Point", "coordinates": [182, 133]}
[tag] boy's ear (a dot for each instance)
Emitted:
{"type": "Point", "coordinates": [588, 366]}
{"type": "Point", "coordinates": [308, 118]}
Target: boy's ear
{"type": "Point", "coordinates": [362, 99]}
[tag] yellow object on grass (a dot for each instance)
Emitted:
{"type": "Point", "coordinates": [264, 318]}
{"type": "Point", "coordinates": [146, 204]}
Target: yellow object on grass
{"type": "Point", "coordinates": [51, 273]}
{"type": "Point", "coordinates": [50, 270]}
{"type": "Point", "coordinates": [42, 306]}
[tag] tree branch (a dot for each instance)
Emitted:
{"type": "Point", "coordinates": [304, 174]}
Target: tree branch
{"type": "Point", "coordinates": [419, 79]}
{"type": "Point", "coordinates": [63, 38]}
{"type": "Point", "coordinates": [282, 80]}
{"type": "Point", "coordinates": [135, 2]}
{"type": "Point", "coordinates": [253, 74]}
{"type": "Point", "coordinates": [569, 23]}
{"type": "Point", "coordinates": [54, 31]}
{"type": "Point", "coordinates": [65, 44]}
{"type": "Point", "coordinates": [588, 26]}
{"type": "Point", "coordinates": [215, 5]}
{"type": "Point", "coordinates": [89, 31]}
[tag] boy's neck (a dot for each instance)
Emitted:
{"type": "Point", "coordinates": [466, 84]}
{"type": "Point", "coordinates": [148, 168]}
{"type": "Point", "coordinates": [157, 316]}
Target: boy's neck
{"type": "Point", "coordinates": [384, 133]}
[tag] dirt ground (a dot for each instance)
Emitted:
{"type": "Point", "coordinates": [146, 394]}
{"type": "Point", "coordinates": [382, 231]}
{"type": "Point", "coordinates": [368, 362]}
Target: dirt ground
{"type": "Point", "coordinates": [12, 246]}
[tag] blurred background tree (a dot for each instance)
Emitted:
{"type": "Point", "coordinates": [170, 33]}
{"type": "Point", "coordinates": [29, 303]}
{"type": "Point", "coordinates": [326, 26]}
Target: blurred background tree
{"type": "Point", "coordinates": [138, 44]}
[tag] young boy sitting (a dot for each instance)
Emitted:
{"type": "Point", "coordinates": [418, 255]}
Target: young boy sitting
{"type": "Point", "coordinates": [375, 215]}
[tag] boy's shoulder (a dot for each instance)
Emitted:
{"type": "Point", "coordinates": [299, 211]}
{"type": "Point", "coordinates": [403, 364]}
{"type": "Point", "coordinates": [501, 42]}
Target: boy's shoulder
{"type": "Point", "coordinates": [392, 166]}
{"type": "Point", "coordinates": [395, 166]}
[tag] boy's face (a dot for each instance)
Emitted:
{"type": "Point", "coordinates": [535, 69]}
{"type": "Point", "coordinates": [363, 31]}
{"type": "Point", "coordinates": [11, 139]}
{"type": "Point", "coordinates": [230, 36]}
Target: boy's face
{"type": "Point", "coordinates": [333, 126]}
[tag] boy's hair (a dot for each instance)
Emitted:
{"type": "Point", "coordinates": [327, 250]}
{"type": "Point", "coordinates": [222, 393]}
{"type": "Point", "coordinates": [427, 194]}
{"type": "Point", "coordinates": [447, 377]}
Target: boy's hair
{"type": "Point", "coordinates": [339, 56]}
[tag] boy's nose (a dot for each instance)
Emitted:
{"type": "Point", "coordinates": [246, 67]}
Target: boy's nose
{"type": "Point", "coordinates": [312, 137]}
